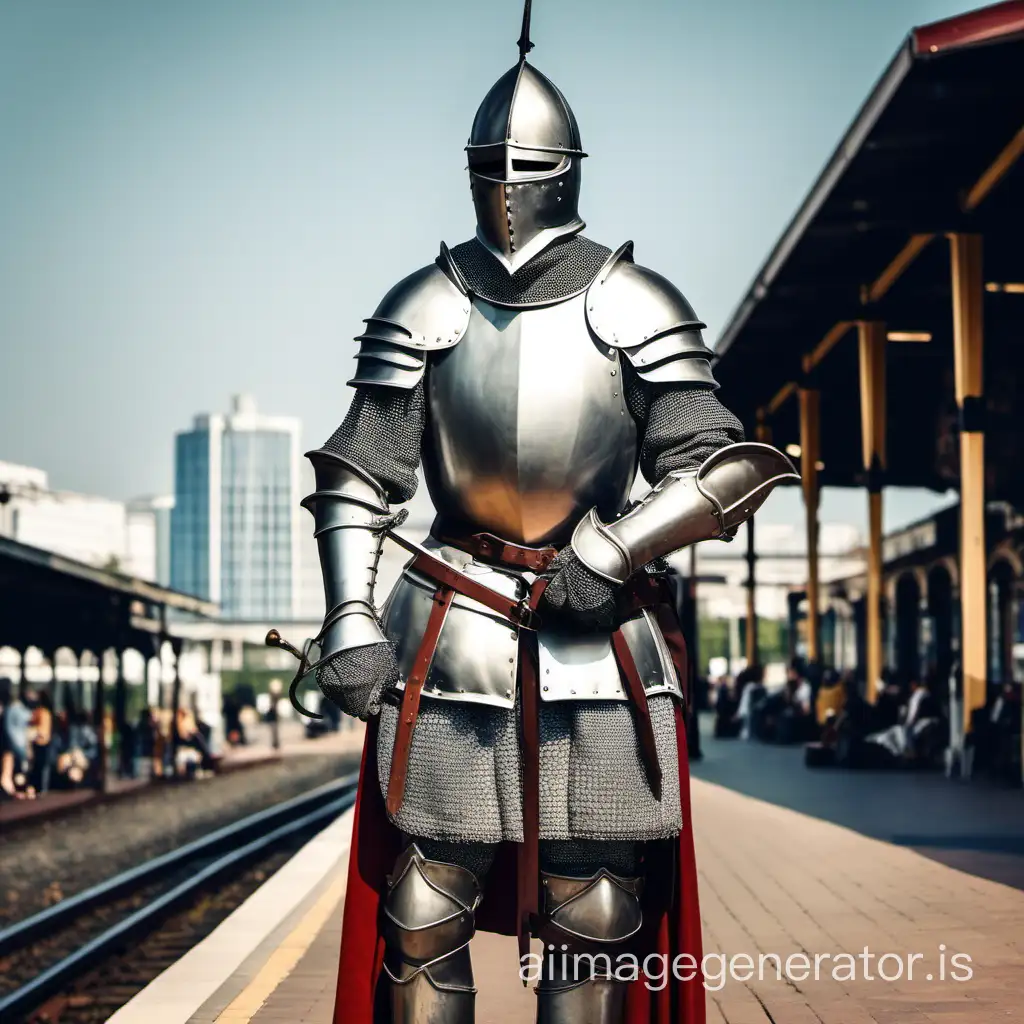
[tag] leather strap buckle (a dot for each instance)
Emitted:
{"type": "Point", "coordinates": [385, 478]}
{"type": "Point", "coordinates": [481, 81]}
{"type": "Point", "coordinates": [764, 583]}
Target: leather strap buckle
{"type": "Point", "coordinates": [525, 616]}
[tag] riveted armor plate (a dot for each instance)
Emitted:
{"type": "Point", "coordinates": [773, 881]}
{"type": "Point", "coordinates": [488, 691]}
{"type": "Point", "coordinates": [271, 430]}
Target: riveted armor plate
{"type": "Point", "coordinates": [528, 428]}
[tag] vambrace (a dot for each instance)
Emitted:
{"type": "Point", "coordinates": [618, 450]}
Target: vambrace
{"type": "Point", "coordinates": [350, 513]}
{"type": "Point", "coordinates": [684, 508]}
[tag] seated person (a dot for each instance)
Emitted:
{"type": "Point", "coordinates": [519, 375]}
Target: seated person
{"type": "Point", "coordinates": [794, 721]}
{"type": "Point", "coordinates": [727, 725]}
{"type": "Point", "coordinates": [751, 701]}
{"type": "Point", "coordinates": [831, 699]}
{"type": "Point", "coordinates": [918, 718]}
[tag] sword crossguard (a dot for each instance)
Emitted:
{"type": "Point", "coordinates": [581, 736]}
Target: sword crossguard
{"type": "Point", "coordinates": [274, 639]}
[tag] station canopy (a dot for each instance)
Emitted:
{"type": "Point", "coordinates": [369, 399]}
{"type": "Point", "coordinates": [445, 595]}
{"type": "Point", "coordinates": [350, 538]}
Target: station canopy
{"type": "Point", "coordinates": [49, 601]}
{"type": "Point", "coordinates": [933, 150]}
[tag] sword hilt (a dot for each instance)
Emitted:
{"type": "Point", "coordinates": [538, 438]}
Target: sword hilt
{"type": "Point", "coordinates": [274, 639]}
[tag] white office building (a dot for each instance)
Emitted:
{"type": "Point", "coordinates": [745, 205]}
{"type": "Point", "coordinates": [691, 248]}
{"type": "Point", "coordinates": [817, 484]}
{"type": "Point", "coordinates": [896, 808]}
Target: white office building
{"type": "Point", "coordinates": [98, 531]}
{"type": "Point", "coordinates": [235, 525]}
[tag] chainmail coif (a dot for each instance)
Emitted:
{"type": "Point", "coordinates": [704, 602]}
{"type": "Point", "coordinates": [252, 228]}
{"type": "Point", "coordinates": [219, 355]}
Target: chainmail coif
{"type": "Point", "coordinates": [565, 268]}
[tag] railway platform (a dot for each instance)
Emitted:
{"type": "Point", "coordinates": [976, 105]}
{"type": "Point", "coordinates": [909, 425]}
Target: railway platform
{"type": "Point", "coordinates": [866, 931]}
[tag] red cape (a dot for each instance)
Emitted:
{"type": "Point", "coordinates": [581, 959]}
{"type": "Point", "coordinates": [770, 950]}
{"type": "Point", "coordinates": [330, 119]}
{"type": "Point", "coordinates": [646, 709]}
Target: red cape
{"type": "Point", "coordinates": [674, 925]}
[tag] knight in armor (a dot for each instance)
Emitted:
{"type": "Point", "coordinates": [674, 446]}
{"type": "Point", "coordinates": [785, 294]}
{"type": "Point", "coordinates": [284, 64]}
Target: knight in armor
{"type": "Point", "coordinates": [523, 683]}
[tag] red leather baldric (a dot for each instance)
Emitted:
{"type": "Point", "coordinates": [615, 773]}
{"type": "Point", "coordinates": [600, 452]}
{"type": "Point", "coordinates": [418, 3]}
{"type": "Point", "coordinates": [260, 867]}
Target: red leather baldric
{"type": "Point", "coordinates": [411, 698]}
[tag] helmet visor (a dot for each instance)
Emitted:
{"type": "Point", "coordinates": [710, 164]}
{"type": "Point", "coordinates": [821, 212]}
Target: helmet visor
{"type": "Point", "coordinates": [504, 163]}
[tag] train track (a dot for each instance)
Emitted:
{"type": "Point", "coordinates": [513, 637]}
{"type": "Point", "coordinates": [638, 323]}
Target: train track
{"type": "Point", "coordinates": [49, 952]}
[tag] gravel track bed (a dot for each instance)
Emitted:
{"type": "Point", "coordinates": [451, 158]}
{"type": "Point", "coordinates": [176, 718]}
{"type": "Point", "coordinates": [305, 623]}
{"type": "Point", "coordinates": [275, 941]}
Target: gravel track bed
{"type": "Point", "coordinates": [48, 861]}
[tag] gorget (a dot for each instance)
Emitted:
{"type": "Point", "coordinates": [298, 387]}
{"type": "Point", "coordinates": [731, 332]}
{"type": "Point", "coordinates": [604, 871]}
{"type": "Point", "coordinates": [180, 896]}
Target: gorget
{"type": "Point", "coordinates": [565, 268]}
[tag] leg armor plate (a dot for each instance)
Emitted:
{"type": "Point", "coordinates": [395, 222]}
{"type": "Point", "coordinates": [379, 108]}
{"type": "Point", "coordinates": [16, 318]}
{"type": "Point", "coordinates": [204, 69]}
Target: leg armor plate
{"type": "Point", "coordinates": [594, 918]}
{"type": "Point", "coordinates": [429, 918]}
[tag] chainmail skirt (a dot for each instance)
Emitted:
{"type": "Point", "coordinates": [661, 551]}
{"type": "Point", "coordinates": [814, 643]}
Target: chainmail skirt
{"type": "Point", "coordinates": [464, 784]}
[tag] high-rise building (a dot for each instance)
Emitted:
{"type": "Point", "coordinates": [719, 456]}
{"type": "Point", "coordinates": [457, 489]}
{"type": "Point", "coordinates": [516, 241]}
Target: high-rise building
{"type": "Point", "coordinates": [235, 529]}
{"type": "Point", "coordinates": [149, 538]}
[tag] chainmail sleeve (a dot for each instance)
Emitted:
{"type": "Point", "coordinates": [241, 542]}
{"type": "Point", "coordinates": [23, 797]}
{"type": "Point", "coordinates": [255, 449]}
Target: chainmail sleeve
{"type": "Point", "coordinates": [381, 433]}
{"type": "Point", "coordinates": [681, 426]}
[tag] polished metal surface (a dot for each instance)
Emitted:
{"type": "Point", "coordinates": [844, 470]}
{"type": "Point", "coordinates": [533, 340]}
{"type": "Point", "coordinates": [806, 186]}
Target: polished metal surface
{"type": "Point", "coordinates": [428, 921]}
{"type": "Point", "coordinates": [601, 910]}
{"type": "Point", "coordinates": [566, 1001]}
{"type": "Point", "coordinates": [477, 653]}
{"type": "Point", "coordinates": [583, 667]}
{"type": "Point", "coordinates": [585, 924]}
{"type": "Point", "coordinates": [524, 166]}
{"type": "Point", "coordinates": [438, 993]}
{"type": "Point", "coordinates": [684, 508]}
{"type": "Point", "coordinates": [429, 907]}
{"type": "Point", "coordinates": [738, 478]}
{"type": "Point", "coordinates": [336, 476]}
{"type": "Point", "coordinates": [424, 312]}
{"type": "Point", "coordinates": [357, 627]}
{"type": "Point", "coordinates": [634, 309]}
{"type": "Point", "coordinates": [348, 508]}
{"type": "Point", "coordinates": [527, 425]}
{"type": "Point", "coordinates": [583, 921]}
{"type": "Point", "coordinates": [600, 550]}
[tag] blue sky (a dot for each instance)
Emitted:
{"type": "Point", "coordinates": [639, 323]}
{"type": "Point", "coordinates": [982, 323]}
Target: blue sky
{"type": "Point", "coordinates": [206, 196]}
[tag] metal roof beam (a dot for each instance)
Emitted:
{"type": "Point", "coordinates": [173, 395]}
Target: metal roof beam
{"type": "Point", "coordinates": [994, 173]}
{"type": "Point", "coordinates": [897, 265]}
{"type": "Point", "coordinates": [835, 334]}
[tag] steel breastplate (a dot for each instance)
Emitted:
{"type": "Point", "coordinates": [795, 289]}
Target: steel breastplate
{"type": "Point", "coordinates": [528, 428]}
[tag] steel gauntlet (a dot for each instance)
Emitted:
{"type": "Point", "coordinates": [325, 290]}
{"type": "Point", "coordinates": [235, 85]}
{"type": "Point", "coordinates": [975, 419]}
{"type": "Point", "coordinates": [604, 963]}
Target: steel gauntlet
{"type": "Point", "coordinates": [685, 507]}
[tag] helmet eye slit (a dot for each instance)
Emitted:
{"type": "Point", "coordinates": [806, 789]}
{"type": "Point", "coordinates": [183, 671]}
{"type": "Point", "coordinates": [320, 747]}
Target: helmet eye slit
{"type": "Point", "coordinates": [534, 166]}
{"type": "Point", "coordinates": [488, 168]}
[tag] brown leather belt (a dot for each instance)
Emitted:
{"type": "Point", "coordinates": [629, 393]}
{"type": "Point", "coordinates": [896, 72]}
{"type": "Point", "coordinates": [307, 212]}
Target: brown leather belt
{"type": "Point", "coordinates": [488, 548]}
{"type": "Point", "coordinates": [644, 592]}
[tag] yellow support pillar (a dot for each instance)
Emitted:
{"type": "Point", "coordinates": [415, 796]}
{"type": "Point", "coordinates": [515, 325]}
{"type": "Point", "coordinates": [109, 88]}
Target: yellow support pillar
{"type": "Point", "coordinates": [968, 345]}
{"type": "Point", "coordinates": [752, 645]}
{"type": "Point", "coordinates": [871, 339]}
{"type": "Point", "coordinates": [810, 448]}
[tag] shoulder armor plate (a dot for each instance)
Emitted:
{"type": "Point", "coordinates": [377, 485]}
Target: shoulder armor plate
{"type": "Point", "coordinates": [428, 311]}
{"type": "Point", "coordinates": [634, 309]}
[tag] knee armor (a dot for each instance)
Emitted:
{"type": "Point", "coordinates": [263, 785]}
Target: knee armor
{"type": "Point", "coordinates": [594, 918]}
{"type": "Point", "coordinates": [429, 918]}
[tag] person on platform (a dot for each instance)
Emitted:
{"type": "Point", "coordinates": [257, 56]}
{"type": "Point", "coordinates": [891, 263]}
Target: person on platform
{"type": "Point", "coordinates": [41, 731]}
{"type": "Point", "coordinates": [905, 741]}
{"type": "Point", "coordinates": [14, 728]}
{"type": "Point", "coordinates": [525, 767]}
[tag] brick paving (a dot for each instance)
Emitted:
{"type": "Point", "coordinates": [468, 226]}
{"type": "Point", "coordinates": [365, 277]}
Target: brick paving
{"type": "Point", "coordinates": [776, 881]}
{"type": "Point", "coordinates": [773, 880]}
{"type": "Point", "coordinates": [308, 992]}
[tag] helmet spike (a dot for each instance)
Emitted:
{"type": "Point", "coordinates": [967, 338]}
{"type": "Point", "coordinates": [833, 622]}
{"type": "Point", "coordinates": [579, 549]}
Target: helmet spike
{"type": "Point", "coordinates": [525, 46]}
